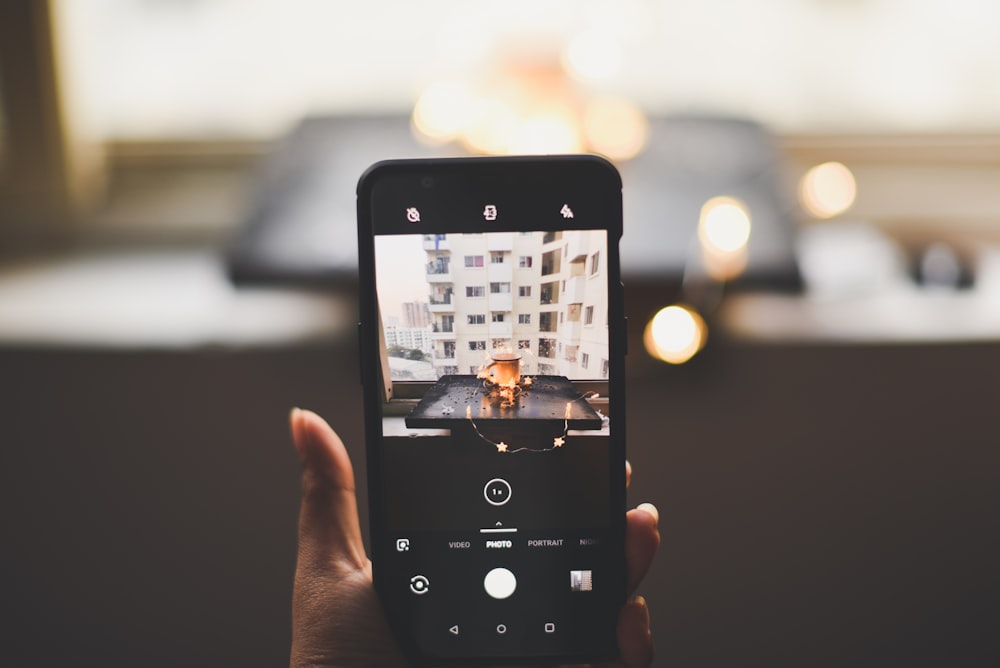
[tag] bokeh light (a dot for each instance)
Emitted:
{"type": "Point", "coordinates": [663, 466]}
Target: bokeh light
{"type": "Point", "coordinates": [442, 111]}
{"type": "Point", "coordinates": [549, 131]}
{"type": "Point", "coordinates": [827, 190]}
{"type": "Point", "coordinates": [724, 225]}
{"type": "Point", "coordinates": [723, 233]}
{"type": "Point", "coordinates": [615, 128]}
{"type": "Point", "coordinates": [675, 334]}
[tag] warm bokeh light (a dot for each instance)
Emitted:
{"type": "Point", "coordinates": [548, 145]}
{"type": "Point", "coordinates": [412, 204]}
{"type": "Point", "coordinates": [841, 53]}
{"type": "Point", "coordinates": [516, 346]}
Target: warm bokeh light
{"type": "Point", "coordinates": [443, 111]}
{"type": "Point", "coordinates": [724, 224]}
{"type": "Point", "coordinates": [529, 104]}
{"type": "Point", "coordinates": [723, 233]}
{"type": "Point", "coordinates": [675, 334]}
{"type": "Point", "coordinates": [592, 55]}
{"type": "Point", "coordinates": [615, 128]}
{"type": "Point", "coordinates": [491, 125]}
{"type": "Point", "coordinates": [547, 132]}
{"type": "Point", "coordinates": [827, 190]}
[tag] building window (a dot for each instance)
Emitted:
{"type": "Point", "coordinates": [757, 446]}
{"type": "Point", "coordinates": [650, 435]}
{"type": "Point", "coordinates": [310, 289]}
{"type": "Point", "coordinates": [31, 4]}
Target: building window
{"type": "Point", "coordinates": [473, 369]}
{"type": "Point", "coordinates": [498, 344]}
{"type": "Point", "coordinates": [546, 348]}
{"type": "Point", "coordinates": [499, 288]}
{"type": "Point", "coordinates": [476, 319]}
{"type": "Point", "coordinates": [524, 291]}
{"type": "Point", "coordinates": [496, 258]}
{"type": "Point", "coordinates": [524, 262]}
{"type": "Point", "coordinates": [475, 291]}
{"type": "Point", "coordinates": [497, 316]}
{"type": "Point", "coordinates": [588, 315]}
{"type": "Point", "coordinates": [473, 260]}
{"type": "Point", "coordinates": [604, 368]}
{"type": "Point", "coordinates": [595, 263]}
{"type": "Point", "coordinates": [524, 344]}
{"type": "Point", "coordinates": [584, 360]}
{"type": "Point", "coordinates": [524, 318]}
{"type": "Point", "coordinates": [449, 350]}
{"type": "Point", "coordinates": [449, 369]}
{"type": "Point", "coordinates": [477, 345]}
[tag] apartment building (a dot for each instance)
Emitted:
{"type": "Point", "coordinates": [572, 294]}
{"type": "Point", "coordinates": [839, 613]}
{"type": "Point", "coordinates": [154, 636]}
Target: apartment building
{"type": "Point", "coordinates": [415, 338]}
{"type": "Point", "coordinates": [543, 294]}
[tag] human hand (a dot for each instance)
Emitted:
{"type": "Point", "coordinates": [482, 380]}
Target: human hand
{"type": "Point", "coordinates": [337, 619]}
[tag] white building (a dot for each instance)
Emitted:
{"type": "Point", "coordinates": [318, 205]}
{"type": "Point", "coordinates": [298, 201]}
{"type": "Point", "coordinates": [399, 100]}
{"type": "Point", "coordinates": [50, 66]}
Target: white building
{"type": "Point", "coordinates": [418, 338]}
{"type": "Point", "coordinates": [543, 294]}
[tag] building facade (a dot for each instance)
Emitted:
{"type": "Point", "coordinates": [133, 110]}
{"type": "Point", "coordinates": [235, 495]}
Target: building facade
{"type": "Point", "coordinates": [541, 294]}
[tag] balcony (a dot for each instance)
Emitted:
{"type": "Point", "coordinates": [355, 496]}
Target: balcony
{"type": "Point", "coordinates": [575, 288]}
{"type": "Point", "coordinates": [500, 273]}
{"type": "Point", "coordinates": [436, 242]}
{"type": "Point", "coordinates": [443, 331]}
{"type": "Point", "coordinates": [549, 294]}
{"type": "Point", "coordinates": [577, 246]}
{"type": "Point", "coordinates": [439, 272]}
{"type": "Point", "coordinates": [501, 330]}
{"type": "Point", "coordinates": [500, 301]}
{"type": "Point", "coordinates": [570, 330]}
{"type": "Point", "coordinates": [440, 305]}
{"type": "Point", "coordinates": [500, 241]}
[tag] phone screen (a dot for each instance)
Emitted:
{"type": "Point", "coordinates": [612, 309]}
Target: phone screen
{"type": "Point", "coordinates": [495, 447]}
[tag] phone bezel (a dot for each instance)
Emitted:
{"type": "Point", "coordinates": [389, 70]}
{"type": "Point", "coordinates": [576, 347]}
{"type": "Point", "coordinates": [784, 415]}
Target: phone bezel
{"type": "Point", "coordinates": [540, 181]}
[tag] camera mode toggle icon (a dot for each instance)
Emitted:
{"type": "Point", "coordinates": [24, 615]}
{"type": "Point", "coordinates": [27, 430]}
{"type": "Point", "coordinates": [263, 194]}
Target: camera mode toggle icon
{"type": "Point", "coordinates": [419, 585]}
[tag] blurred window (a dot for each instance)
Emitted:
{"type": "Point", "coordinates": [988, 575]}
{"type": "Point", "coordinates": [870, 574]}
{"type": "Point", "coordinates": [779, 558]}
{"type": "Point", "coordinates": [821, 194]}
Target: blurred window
{"type": "Point", "coordinates": [252, 68]}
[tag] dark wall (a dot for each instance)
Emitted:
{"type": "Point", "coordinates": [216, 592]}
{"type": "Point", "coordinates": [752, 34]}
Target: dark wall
{"type": "Point", "coordinates": [821, 505]}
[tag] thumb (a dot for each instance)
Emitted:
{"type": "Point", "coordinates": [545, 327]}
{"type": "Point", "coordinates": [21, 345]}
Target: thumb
{"type": "Point", "coordinates": [329, 531]}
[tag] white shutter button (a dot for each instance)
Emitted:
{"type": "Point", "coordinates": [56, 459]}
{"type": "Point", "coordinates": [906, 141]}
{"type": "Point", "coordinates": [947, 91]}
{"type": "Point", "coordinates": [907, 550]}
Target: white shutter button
{"type": "Point", "coordinates": [500, 583]}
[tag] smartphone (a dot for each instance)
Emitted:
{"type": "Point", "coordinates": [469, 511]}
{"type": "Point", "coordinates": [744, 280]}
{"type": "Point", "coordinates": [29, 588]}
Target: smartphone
{"type": "Point", "coordinates": [492, 342]}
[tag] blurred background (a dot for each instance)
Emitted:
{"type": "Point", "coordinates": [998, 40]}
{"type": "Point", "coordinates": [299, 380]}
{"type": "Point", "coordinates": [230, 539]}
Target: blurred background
{"type": "Point", "coordinates": [812, 202]}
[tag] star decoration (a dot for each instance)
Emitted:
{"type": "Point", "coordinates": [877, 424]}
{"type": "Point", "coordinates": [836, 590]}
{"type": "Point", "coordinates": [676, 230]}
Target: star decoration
{"type": "Point", "coordinates": [501, 447]}
{"type": "Point", "coordinates": [558, 441]}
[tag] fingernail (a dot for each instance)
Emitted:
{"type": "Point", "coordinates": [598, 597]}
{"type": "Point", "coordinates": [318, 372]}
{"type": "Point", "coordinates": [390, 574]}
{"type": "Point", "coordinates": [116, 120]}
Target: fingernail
{"type": "Point", "coordinates": [292, 413]}
{"type": "Point", "coordinates": [651, 509]}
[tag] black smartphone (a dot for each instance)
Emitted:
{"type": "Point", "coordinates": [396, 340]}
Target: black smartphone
{"type": "Point", "coordinates": [492, 347]}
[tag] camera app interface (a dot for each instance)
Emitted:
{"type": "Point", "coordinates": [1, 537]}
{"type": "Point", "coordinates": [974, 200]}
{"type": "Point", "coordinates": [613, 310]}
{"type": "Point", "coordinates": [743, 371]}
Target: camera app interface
{"type": "Point", "coordinates": [496, 439]}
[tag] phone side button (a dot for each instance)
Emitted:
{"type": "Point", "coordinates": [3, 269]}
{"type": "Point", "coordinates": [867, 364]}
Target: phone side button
{"type": "Point", "coordinates": [625, 335]}
{"type": "Point", "coordinates": [361, 359]}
